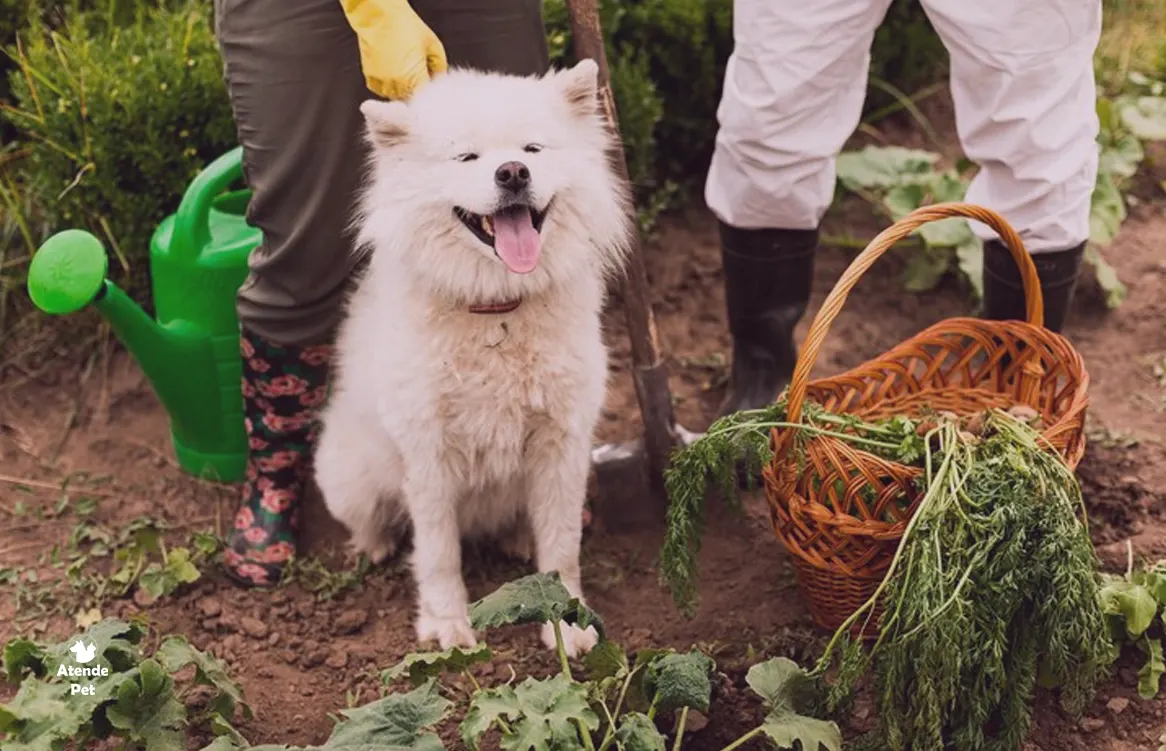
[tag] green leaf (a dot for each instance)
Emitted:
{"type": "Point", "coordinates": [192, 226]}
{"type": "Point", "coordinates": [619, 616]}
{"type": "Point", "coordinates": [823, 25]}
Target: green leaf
{"type": "Point", "coordinates": [1115, 291]}
{"type": "Point", "coordinates": [606, 660]}
{"type": "Point", "coordinates": [148, 712]}
{"type": "Point", "coordinates": [425, 665]}
{"type": "Point", "coordinates": [538, 598]}
{"type": "Point", "coordinates": [174, 653]}
{"type": "Point", "coordinates": [1120, 156]}
{"type": "Point", "coordinates": [784, 686]}
{"type": "Point", "coordinates": [23, 656]}
{"type": "Point", "coordinates": [1146, 117]}
{"type": "Point", "coordinates": [43, 715]}
{"type": "Point", "coordinates": [1150, 675]}
{"type": "Point", "coordinates": [394, 723]}
{"type": "Point", "coordinates": [638, 733]}
{"type": "Point", "coordinates": [1107, 211]}
{"type": "Point", "coordinates": [925, 269]}
{"type": "Point", "coordinates": [969, 258]}
{"type": "Point", "coordinates": [883, 168]}
{"type": "Point", "coordinates": [680, 680]}
{"type": "Point", "coordinates": [1132, 602]}
{"type": "Point", "coordinates": [901, 200]}
{"type": "Point", "coordinates": [543, 715]}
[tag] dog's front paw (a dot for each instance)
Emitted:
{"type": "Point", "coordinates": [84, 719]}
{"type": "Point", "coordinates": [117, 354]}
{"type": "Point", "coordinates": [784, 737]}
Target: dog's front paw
{"type": "Point", "coordinates": [576, 640]}
{"type": "Point", "coordinates": [454, 631]}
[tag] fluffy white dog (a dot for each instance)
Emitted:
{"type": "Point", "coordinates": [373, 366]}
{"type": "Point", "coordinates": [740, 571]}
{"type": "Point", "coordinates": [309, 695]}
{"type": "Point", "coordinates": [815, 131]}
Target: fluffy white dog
{"type": "Point", "coordinates": [471, 369]}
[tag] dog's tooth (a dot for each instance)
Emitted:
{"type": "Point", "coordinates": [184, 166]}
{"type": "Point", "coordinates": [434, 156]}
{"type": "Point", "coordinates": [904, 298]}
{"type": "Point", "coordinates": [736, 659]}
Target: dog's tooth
{"type": "Point", "coordinates": [488, 224]}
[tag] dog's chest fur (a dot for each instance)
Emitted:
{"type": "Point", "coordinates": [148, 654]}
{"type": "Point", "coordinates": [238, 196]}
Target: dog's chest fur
{"type": "Point", "coordinates": [501, 382]}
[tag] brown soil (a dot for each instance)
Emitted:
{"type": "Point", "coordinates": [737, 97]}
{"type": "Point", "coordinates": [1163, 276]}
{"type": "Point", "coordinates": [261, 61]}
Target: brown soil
{"type": "Point", "coordinates": [306, 654]}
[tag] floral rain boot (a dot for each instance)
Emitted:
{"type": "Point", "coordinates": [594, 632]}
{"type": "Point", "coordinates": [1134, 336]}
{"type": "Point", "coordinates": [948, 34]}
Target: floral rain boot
{"type": "Point", "coordinates": [282, 388]}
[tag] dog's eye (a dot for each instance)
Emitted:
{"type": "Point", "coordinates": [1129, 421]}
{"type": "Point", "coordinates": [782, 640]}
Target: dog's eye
{"type": "Point", "coordinates": [533, 148]}
{"type": "Point", "coordinates": [467, 157]}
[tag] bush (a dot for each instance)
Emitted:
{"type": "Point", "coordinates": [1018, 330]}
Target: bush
{"type": "Point", "coordinates": [119, 116]}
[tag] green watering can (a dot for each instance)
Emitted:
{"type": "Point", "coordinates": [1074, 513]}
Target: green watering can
{"type": "Point", "coordinates": [190, 354]}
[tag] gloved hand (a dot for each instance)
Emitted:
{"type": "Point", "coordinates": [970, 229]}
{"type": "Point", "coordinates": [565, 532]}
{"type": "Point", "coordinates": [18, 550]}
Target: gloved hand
{"type": "Point", "coordinates": [398, 52]}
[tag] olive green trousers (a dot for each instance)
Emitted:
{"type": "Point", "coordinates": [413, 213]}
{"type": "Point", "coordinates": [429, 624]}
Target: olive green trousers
{"type": "Point", "coordinates": [292, 68]}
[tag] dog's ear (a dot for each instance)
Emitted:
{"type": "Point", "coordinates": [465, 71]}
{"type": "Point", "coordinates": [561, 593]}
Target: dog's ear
{"type": "Point", "coordinates": [388, 122]}
{"type": "Point", "coordinates": [580, 87]}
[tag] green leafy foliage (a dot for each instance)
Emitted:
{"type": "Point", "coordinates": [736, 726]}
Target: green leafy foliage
{"type": "Point", "coordinates": [787, 690]}
{"type": "Point", "coordinates": [420, 667]}
{"type": "Point", "coordinates": [994, 586]}
{"type": "Point", "coordinates": [540, 715]}
{"type": "Point", "coordinates": [538, 598]}
{"type": "Point", "coordinates": [118, 115]}
{"type": "Point", "coordinates": [1135, 609]}
{"type": "Point", "coordinates": [125, 694]}
{"type": "Point", "coordinates": [680, 680]}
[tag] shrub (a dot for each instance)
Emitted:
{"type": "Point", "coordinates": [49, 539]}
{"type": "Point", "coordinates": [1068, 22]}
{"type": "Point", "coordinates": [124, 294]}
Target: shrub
{"type": "Point", "coordinates": [119, 118]}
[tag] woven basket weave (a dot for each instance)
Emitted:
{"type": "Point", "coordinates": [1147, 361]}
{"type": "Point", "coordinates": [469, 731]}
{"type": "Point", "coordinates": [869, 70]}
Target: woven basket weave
{"type": "Point", "coordinates": [844, 512]}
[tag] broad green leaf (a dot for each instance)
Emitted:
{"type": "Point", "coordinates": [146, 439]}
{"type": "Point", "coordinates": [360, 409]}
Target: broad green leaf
{"type": "Point", "coordinates": [969, 257]}
{"type": "Point", "coordinates": [606, 660]}
{"type": "Point", "coordinates": [20, 656]}
{"type": "Point", "coordinates": [175, 652]}
{"type": "Point", "coordinates": [543, 715]}
{"type": "Point", "coordinates": [680, 680]}
{"type": "Point", "coordinates": [422, 666]}
{"type": "Point", "coordinates": [538, 598]}
{"type": "Point", "coordinates": [1120, 157]}
{"type": "Point", "coordinates": [1150, 675]}
{"type": "Point", "coordinates": [925, 269]}
{"type": "Point", "coordinates": [876, 167]}
{"type": "Point", "coordinates": [1133, 603]}
{"type": "Point", "coordinates": [901, 200]}
{"type": "Point", "coordinates": [637, 733]}
{"type": "Point", "coordinates": [784, 686]}
{"type": "Point", "coordinates": [398, 721]}
{"type": "Point", "coordinates": [1107, 211]}
{"type": "Point", "coordinates": [224, 743]}
{"type": "Point", "coordinates": [485, 709]}
{"type": "Point", "coordinates": [43, 715]}
{"type": "Point", "coordinates": [638, 697]}
{"type": "Point", "coordinates": [1146, 117]}
{"type": "Point", "coordinates": [1107, 278]}
{"type": "Point", "coordinates": [147, 711]}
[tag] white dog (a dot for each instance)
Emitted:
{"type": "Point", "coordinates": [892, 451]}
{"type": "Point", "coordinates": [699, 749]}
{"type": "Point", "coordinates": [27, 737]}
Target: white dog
{"type": "Point", "coordinates": [471, 369]}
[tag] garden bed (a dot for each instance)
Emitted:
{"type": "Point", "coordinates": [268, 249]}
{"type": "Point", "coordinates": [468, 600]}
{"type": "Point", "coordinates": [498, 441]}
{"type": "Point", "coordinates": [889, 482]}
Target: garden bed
{"type": "Point", "coordinates": [299, 655]}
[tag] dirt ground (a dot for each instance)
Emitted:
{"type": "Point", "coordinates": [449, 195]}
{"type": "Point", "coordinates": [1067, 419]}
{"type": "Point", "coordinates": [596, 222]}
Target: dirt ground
{"type": "Point", "coordinates": [307, 654]}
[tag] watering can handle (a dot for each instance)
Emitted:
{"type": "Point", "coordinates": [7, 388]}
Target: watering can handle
{"type": "Point", "coordinates": [192, 220]}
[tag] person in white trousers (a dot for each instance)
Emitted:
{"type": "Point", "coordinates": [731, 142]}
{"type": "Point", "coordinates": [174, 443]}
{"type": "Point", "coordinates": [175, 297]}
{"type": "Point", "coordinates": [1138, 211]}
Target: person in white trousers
{"type": "Point", "coordinates": [1023, 87]}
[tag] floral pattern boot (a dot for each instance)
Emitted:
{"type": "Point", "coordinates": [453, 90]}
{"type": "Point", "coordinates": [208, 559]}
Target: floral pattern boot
{"type": "Point", "coordinates": [282, 388]}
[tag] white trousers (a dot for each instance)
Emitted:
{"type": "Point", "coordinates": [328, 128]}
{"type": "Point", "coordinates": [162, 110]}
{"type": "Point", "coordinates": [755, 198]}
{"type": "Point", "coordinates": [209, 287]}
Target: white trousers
{"type": "Point", "coordinates": [1021, 80]}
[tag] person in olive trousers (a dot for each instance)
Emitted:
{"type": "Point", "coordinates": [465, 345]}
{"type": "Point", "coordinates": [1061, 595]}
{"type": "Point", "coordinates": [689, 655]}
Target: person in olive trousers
{"type": "Point", "coordinates": [297, 72]}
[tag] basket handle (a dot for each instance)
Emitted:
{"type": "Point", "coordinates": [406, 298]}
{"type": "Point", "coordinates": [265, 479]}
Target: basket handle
{"type": "Point", "coordinates": [873, 251]}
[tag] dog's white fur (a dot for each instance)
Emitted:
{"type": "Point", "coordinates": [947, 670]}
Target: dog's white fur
{"type": "Point", "coordinates": [475, 425]}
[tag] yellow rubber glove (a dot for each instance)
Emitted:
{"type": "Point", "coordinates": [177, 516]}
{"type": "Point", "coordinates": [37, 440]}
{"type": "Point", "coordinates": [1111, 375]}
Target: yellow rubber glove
{"type": "Point", "coordinates": [398, 52]}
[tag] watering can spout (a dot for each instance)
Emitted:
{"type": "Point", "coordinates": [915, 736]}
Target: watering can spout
{"type": "Point", "coordinates": [68, 273]}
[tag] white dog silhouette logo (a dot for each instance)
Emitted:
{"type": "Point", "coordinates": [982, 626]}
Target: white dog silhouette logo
{"type": "Point", "coordinates": [83, 653]}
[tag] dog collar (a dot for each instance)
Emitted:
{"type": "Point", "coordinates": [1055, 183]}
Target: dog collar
{"type": "Point", "coordinates": [496, 308]}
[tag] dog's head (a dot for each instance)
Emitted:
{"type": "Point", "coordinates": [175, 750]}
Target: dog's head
{"type": "Point", "coordinates": [485, 185]}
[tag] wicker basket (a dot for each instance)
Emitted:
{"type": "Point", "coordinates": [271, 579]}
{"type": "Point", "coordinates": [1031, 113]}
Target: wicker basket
{"type": "Point", "coordinates": [843, 535]}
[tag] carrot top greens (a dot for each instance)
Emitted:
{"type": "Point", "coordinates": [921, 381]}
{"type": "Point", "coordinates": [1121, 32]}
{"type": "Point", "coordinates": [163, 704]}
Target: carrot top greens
{"type": "Point", "coordinates": [993, 591]}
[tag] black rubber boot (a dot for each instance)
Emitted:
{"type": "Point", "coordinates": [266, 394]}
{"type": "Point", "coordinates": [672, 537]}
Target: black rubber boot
{"type": "Point", "coordinates": [1004, 293]}
{"type": "Point", "coordinates": [768, 276]}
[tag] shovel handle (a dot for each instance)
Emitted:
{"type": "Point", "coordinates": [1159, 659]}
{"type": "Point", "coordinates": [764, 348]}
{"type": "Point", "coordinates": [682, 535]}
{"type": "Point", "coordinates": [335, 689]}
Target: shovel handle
{"type": "Point", "coordinates": [648, 369]}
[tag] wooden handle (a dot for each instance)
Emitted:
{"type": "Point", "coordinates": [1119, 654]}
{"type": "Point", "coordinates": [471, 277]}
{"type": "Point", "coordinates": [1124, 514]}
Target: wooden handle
{"type": "Point", "coordinates": [873, 251]}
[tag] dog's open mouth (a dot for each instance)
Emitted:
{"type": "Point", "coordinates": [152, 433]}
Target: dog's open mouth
{"type": "Point", "coordinates": [513, 232]}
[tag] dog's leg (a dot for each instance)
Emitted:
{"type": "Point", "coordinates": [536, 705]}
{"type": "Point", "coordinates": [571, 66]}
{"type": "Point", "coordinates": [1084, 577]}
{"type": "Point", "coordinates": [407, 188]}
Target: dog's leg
{"type": "Point", "coordinates": [556, 489]}
{"type": "Point", "coordinates": [443, 610]}
{"type": "Point", "coordinates": [354, 470]}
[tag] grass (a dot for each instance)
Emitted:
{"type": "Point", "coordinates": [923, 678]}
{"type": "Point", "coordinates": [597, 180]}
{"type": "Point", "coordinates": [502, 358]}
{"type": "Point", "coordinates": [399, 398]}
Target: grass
{"type": "Point", "coordinates": [1131, 40]}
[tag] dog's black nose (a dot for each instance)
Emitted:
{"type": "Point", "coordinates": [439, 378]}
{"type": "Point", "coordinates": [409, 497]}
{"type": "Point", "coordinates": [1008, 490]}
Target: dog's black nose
{"type": "Point", "coordinates": [513, 176]}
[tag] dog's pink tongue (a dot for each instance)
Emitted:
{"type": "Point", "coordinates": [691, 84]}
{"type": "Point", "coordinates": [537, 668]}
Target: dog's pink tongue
{"type": "Point", "coordinates": [516, 241]}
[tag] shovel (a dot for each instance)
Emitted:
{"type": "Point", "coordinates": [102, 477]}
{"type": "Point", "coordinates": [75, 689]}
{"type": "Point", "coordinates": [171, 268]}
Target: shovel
{"type": "Point", "coordinates": [621, 465]}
